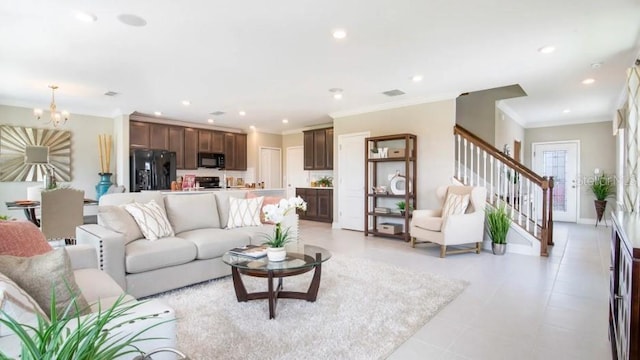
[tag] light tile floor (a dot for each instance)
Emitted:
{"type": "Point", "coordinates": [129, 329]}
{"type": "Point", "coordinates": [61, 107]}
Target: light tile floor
{"type": "Point", "coordinates": [516, 306]}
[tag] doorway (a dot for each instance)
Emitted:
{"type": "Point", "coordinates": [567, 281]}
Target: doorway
{"type": "Point", "coordinates": [271, 167]}
{"type": "Point", "coordinates": [560, 160]}
{"type": "Point", "coordinates": [351, 165]}
{"type": "Point", "coordinates": [296, 176]}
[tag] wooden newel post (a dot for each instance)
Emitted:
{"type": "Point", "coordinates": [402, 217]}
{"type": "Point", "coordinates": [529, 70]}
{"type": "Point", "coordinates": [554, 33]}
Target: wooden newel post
{"type": "Point", "coordinates": [550, 225]}
{"type": "Point", "coordinates": [545, 206]}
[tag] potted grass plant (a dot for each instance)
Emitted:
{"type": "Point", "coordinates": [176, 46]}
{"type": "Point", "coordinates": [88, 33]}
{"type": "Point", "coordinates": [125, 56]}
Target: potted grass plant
{"type": "Point", "coordinates": [602, 187]}
{"type": "Point", "coordinates": [498, 224]}
{"type": "Point", "coordinates": [402, 205]}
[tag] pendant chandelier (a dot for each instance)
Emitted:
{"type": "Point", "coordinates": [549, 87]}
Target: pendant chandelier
{"type": "Point", "coordinates": [55, 117]}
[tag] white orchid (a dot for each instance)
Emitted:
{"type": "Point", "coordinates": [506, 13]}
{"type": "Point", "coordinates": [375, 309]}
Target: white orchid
{"type": "Point", "coordinates": [276, 213]}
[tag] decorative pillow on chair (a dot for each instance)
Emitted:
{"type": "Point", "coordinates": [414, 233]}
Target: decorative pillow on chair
{"type": "Point", "coordinates": [116, 218]}
{"type": "Point", "coordinates": [268, 200]}
{"type": "Point", "coordinates": [244, 212]}
{"type": "Point", "coordinates": [151, 219]}
{"type": "Point", "coordinates": [17, 304]}
{"type": "Point", "coordinates": [22, 238]}
{"type": "Point", "coordinates": [37, 275]}
{"type": "Point", "coordinates": [455, 204]}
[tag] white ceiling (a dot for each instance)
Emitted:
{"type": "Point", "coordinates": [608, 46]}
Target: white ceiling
{"type": "Point", "coordinates": [277, 59]}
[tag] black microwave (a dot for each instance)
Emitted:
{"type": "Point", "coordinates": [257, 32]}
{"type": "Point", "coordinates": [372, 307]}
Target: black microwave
{"type": "Point", "coordinates": [210, 160]}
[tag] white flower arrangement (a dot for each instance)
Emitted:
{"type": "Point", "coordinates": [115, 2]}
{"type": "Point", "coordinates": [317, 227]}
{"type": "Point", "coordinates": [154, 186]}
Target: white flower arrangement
{"type": "Point", "coordinates": [276, 213]}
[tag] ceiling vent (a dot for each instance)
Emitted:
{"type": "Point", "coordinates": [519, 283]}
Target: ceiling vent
{"type": "Point", "coordinates": [111, 93]}
{"type": "Point", "coordinates": [217, 113]}
{"type": "Point", "coordinates": [394, 92]}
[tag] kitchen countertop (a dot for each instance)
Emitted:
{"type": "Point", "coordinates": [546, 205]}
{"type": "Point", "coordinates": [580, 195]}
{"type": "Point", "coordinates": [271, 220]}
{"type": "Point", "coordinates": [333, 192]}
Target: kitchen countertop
{"type": "Point", "coordinates": [203, 190]}
{"type": "Point", "coordinates": [315, 187]}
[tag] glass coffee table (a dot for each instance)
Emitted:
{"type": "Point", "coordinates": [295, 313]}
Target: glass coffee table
{"type": "Point", "coordinates": [300, 259]}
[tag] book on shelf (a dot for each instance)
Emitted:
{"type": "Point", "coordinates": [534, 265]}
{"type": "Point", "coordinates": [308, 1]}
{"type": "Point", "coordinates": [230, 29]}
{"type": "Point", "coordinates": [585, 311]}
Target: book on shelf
{"type": "Point", "coordinates": [382, 210]}
{"type": "Point", "coordinates": [252, 251]}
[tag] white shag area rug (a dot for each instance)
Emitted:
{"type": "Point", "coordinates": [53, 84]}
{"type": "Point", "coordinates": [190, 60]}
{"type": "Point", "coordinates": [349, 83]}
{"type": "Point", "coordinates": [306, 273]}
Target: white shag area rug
{"type": "Point", "coordinates": [364, 310]}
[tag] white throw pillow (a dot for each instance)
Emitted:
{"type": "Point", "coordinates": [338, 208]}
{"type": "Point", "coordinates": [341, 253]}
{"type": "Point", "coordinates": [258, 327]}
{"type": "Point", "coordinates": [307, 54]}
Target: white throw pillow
{"type": "Point", "coordinates": [116, 218]}
{"type": "Point", "coordinates": [151, 219]}
{"type": "Point", "coordinates": [16, 303]}
{"type": "Point", "coordinates": [244, 212]}
{"type": "Point", "coordinates": [455, 204]}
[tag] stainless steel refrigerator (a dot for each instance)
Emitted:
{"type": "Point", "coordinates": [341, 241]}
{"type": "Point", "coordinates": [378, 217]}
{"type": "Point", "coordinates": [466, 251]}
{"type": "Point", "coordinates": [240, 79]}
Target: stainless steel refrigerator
{"type": "Point", "coordinates": [152, 169]}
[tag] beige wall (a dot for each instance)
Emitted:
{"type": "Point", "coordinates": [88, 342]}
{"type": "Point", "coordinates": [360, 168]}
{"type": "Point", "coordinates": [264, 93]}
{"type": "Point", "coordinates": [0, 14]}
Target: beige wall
{"type": "Point", "coordinates": [85, 163]}
{"type": "Point", "coordinates": [597, 150]}
{"type": "Point", "coordinates": [432, 123]}
{"type": "Point", "coordinates": [508, 130]}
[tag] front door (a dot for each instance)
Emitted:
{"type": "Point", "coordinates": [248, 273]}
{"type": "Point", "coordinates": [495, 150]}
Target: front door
{"type": "Point", "coordinates": [560, 160]}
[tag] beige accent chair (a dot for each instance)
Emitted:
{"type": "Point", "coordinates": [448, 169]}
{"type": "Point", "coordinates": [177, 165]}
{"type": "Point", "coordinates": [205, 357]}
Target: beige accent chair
{"type": "Point", "coordinates": [60, 212]}
{"type": "Point", "coordinates": [430, 227]}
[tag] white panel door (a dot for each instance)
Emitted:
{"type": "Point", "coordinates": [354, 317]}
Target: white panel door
{"type": "Point", "coordinates": [296, 176]}
{"type": "Point", "coordinates": [351, 181]}
{"type": "Point", "coordinates": [271, 167]}
{"type": "Point", "coordinates": [560, 160]}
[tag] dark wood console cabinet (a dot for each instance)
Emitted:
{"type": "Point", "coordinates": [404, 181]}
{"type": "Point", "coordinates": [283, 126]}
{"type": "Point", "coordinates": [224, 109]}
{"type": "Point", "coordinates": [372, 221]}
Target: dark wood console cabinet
{"type": "Point", "coordinates": [319, 204]}
{"type": "Point", "coordinates": [624, 297]}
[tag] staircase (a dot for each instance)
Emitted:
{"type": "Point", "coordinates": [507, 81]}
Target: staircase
{"type": "Point", "coordinates": [527, 196]}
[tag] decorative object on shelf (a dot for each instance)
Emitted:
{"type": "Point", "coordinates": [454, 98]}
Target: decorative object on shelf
{"type": "Point", "coordinates": [374, 153]}
{"type": "Point", "coordinates": [276, 213]}
{"type": "Point", "coordinates": [498, 224]}
{"type": "Point", "coordinates": [382, 189]}
{"type": "Point", "coordinates": [55, 117]}
{"type": "Point", "coordinates": [602, 187]}
{"type": "Point", "coordinates": [402, 205]}
{"type": "Point", "coordinates": [104, 149]}
{"type": "Point", "coordinates": [325, 181]}
{"type": "Point", "coordinates": [398, 184]}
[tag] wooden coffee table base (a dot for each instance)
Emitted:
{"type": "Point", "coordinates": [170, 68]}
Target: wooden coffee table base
{"type": "Point", "coordinates": [274, 294]}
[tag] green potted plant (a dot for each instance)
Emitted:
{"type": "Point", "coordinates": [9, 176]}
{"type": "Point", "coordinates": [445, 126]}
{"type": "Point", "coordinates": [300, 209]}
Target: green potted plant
{"type": "Point", "coordinates": [602, 187]}
{"type": "Point", "coordinates": [403, 207]}
{"type": "Point", "coordinates": [498, 224]}
{"type": "Point", "coordinates": [325, 181]}
{"type": "Point", "coordinates": [276, 213]}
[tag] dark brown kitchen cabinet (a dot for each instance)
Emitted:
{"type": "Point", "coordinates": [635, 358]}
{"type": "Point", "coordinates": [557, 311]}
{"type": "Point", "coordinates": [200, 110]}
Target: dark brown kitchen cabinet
{"type": "Point", "coordinates": [138, 134]}
{"type": "Point", "coordinates": [176, 143]}
{"type": "Point", "coordinates": [318, 149]}
{"type": "Point", "coordinates": [190, 148]}
{"type": "Point", "coordinates": [319, 204]}
{"type": "Point", "coordinates": [159, 136]}
{"type": "Point", "coordinates": [235, 151]}
{"type": "Point", "coordinates": [210, 141]}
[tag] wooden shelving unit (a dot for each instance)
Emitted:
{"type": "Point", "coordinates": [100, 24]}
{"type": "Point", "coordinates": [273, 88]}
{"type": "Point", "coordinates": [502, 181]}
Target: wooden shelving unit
{"type": "Point", "coordinates": [401, 158]}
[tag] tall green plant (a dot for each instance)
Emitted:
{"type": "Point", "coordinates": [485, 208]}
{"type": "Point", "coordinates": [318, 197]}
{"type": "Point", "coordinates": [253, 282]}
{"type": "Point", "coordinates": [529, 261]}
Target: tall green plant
{"type": "Point", "coordinates": [498, 222]}
{"type": "Point", "coordinates": [97, 336]}
{"type": "Point", "coordinates": [603, 186]}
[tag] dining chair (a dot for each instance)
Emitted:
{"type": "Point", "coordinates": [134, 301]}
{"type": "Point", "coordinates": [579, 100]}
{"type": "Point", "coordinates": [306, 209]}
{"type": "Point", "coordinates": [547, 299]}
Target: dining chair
{"type": "Point", "coordinates": [60, 212]}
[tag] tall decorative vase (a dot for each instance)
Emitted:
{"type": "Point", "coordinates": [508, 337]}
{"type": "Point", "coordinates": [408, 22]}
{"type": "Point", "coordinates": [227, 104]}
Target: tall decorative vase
{"type": "Point", "coordinates": [103, 185]}
{"type": "Point", "coordinates": [601, 205]}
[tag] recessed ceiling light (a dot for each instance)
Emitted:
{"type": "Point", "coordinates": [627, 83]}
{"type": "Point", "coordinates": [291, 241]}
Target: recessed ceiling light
{"type": "Point", "coordinates": [285, 121]}
{"type": "Point", "coordinates": [416, 78]}
{"type": "Point", "coordinates": [337, 96]}
{"type": "Point", "coordinates": [596, 65]}
{"type": "Point", "coordinates": [566, 111]}
{"type": "Point", "coordinates": [157, 113]}
{"type": "Point", "coordinates": [588, 81]}
{"type": "Point", "coordinates": [339, 34]}
{"type": "Point", "coordinates": [242, 113]}
{"type": "Point", "coordinates": [252, 127]}
{"type": "Point", "coordinates": [210, 121]}
{"type": "Point", "coordinates": [547, 49]}
{"type": "Point", "coordinates": [337, 93]}
{"type": "Point", "coordinates": [132, 20]}
{"type": "Point", "coordinates": [186, 102]}
{"type": "Point", "coordinates": [86, 17]}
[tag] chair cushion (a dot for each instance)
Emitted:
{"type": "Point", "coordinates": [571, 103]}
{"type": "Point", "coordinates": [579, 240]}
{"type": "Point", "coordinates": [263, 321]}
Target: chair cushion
{"type": "Point", "coordinates": [41, 274]}
{"type": "Point", "coordinates": [429, 223]}
{"type": "Point", "coordinates": [455, 204]}
{"type": "Point", "coordinates": [144, 255]}
{"type": "Point", "coordinates": [22, 238]}
{"type": "Point", "coordinates": [192, 211]}
{"type": "Point", "coordinates": [17, 304]}
{"type": "Point", "coordinates": [116, 218]}
{"type": "Point", "coordinates": [244, 212]}
{"type": "Point", "coordinates": [213, 243]}
{"type": "Point", "coordinates": [151, 219]}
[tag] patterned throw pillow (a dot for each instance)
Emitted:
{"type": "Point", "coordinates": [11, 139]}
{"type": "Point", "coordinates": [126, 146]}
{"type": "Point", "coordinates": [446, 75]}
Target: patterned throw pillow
{"type": "Point", "coordinates": [151, 219]}
{"type": "Point", "coordinates": [22, 238]}
{"type": "Point", "coordinates": [17, 304]}
{"type": "Point", "coordinates": [268, 200]}
{"type": "Point", "coordinates": [41, 274]}
{"type": "Point", "coordinates": [455, 204]}
{"type": "Point", "coordinates": [244, 212]}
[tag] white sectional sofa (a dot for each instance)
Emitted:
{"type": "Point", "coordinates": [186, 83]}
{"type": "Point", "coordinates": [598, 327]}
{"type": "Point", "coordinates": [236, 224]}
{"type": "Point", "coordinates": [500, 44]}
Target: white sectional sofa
{"type": "Point", "coordinates": [144, 267]}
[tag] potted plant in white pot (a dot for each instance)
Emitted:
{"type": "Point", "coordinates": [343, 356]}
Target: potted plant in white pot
{"type": "Point", "coordinates": [603, 187]}
{"type": "Point", "coordinates": [498, 224]}
{"type": "Point", "coordinates": [276, 213]}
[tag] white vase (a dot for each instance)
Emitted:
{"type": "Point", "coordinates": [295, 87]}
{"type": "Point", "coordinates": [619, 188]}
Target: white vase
{"type": "Point", "coordinates": [276, 254]}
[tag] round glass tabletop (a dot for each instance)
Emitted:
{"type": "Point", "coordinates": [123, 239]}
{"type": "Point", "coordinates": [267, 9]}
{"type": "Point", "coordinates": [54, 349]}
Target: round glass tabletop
{"type": "Point", "coordinates": [299, 256]}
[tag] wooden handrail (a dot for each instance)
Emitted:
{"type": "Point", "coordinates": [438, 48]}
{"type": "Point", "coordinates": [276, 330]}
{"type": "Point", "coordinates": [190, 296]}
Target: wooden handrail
{"type": "Point", "coordinates": [510, 162]}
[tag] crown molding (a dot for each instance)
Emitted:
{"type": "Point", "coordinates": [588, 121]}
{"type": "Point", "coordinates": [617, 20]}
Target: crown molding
{"type": "Point", "coordinates": [500, 104]}
{"type": "Point", "coordinates": [542, 124]}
